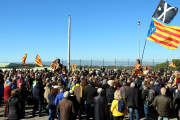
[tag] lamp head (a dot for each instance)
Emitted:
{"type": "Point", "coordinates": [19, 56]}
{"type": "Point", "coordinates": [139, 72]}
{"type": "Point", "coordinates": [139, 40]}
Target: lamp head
{"type": "Point", "coordinates": [139, 22]}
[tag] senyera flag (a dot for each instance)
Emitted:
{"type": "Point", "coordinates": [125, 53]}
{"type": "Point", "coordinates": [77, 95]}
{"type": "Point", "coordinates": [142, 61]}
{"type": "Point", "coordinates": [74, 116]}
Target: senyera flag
{"type": "Point", "coordinates": [24, 59]}
{"type": "Point", "coordinates": [53, 63]}
{"type": "Point", "coordinates": [171, 64]}
{"type": "Point", "coordinates": [148, 66]}
{"type": "Point", "coordinates": [167, 36]}
{"type": "Point", "coordinates": [38, 60]}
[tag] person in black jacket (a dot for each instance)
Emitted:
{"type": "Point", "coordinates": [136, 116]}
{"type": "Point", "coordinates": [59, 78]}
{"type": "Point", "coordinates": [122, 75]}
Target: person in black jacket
{"type": "Point", "coordinates": [176, 102]}
{"type": "Point", "coordinates": [89, 94]}
{"type": "Point", "coordinates": [133, 96]}
{"type": "Point", "coordinates": [76, 104]}
{"type": "Point", "coordinates": [22, 95]}
{"type": "Point", "coordinates": [110, 96]}
{"type": "Point", "coordinates": [105, 85]}
{"type": "Point", "coordinates": [14, 105]}
{"type": "Point", "coordinates": [144, 97]}
{"type": "Point", "coordinates": [100, 106]}
{"type": "Point", "coordinates": [38, 97]}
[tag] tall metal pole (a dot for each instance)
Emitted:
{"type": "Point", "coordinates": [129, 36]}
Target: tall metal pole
{"type": "Point", "coordinates": [153, 64]}
{"type": "Point", "coordinates": [69, 31]}
{"type": "Point", "coordinates": [139, 38]}
{"type": "Point", "coordinates": [128, 64]}
{"type": "Point", "coordinates": [103, 62]}
{"type": "Point", "coordinates": [91, 64]}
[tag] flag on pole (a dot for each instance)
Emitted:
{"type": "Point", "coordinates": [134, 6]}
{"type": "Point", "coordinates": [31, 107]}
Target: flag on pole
{"type": "Point", "coordinates": [167, 36]}
{"type": "Point", "coordinates": [165, 12]}
{"type": "Point", "coordinates": [53, 63]}
{"type": "Point", "coordinates": [38, 60]}
{"type": "Point", "coordinates": [148, 66]}
{"type": "Point", "coordinates": [24, 59]}
{"type": "Point", "coordinates": [74, 65]}
{"type": "Point", "coordinates": [171, 64]}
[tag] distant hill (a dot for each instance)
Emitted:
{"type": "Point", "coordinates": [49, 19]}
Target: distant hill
{"type": "Point", "coordinates": [166, 64]}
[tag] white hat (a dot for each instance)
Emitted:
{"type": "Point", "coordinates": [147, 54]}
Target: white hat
{"type": "Point", "coordinates": [100, 90]}
{"type": "Point", "coordinates": [55, 86]}
{"type": "Point", "coordinates": [71, 91]}
{"type": "Point", "coordinates": [66, 94]}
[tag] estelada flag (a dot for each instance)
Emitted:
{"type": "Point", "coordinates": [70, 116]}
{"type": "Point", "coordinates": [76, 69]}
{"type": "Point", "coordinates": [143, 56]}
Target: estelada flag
{"type": "Point", "coordinates": [53, 64]}
{"type": "Point", "coordinates": [74, 65]}
{"type": "Point", "coordinates": [24, 59]}
{"type": "Point", "coordinates": [148, 66]}
{"type": "Point", "coordinates": [38, 60]}
{"type": "Point", "coordinates": [167, 36]}
{"type": "Point", "coordinates": [171, 64]}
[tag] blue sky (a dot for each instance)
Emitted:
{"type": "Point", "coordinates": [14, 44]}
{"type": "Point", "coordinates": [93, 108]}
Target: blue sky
{"type": "Point", "coordinates": [100, 29]}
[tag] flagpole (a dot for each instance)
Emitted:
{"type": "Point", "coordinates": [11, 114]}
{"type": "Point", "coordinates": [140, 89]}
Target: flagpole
{"type": "Point", "coordinates": [139, 37]}
{"type": "Point", "coordinates": [143, 50]}
{"type": "Point", "coordinates": [69, 30]}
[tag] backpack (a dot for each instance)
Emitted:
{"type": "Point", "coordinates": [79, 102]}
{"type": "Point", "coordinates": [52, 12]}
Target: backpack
{"type": "Point", "coordinates": [151, 96]}
{"type": "Point", "coordinates": [121, 106]}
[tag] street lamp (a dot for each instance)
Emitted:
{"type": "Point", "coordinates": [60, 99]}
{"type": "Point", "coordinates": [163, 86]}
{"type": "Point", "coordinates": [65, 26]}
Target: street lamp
{"type": "Point", "coordinates": [139, 37]}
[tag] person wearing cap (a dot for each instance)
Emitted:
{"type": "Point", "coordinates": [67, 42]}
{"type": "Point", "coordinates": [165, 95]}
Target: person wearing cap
{"type": "Point", "coordinates": [51, 106]}
{"type": "Point", "coordinates": [89, 93]}
{"type": "Point", "coordinates": [124, 89]}
{"type": "Point", "coordinates": [65, 108]}
{"type": "Point", "coordinates": [100, 105]}
{"type": "Point", "coordinates": [110, 96]}
{"type": "Point", "coordinates": [78, 92]}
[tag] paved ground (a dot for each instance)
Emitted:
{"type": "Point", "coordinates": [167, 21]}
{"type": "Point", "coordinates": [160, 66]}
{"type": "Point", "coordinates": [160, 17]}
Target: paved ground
{"type": "Point", "coordinates": [28, 114]}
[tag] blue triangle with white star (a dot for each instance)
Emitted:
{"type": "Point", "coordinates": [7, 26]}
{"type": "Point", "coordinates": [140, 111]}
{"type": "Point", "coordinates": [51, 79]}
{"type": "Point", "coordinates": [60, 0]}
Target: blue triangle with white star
{"type": "Point", "coordinates": [152, 29]}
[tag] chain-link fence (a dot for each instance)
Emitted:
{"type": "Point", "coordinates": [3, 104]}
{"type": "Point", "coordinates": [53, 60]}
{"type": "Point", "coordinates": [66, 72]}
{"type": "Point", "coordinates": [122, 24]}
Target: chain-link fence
{"type": "Point", "coordinates": [113, 64]}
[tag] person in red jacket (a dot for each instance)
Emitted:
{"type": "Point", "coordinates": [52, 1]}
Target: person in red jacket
{"type": "Point", "coordinates": [7, 94]}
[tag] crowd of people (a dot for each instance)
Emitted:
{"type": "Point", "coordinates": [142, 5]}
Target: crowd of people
{"type": "Point", "coordinates": [99, 94]}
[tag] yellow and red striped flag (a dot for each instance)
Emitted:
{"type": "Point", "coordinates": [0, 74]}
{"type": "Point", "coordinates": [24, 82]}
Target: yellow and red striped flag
{"type": "Point", "coordinates": [38, 60]}
{"type": "Point", "coordinates": [24, 59]}
{"type": "Point", "coordinates": [53, 63]}
{"type": "Point", "coordinates": [74, 65]}
{"type": "Point", "coordinates": [148, 66]}
{"type": "Point", "coordinates": [167, 36]}
{"type": "Point", "coordinates": [171, 64]}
